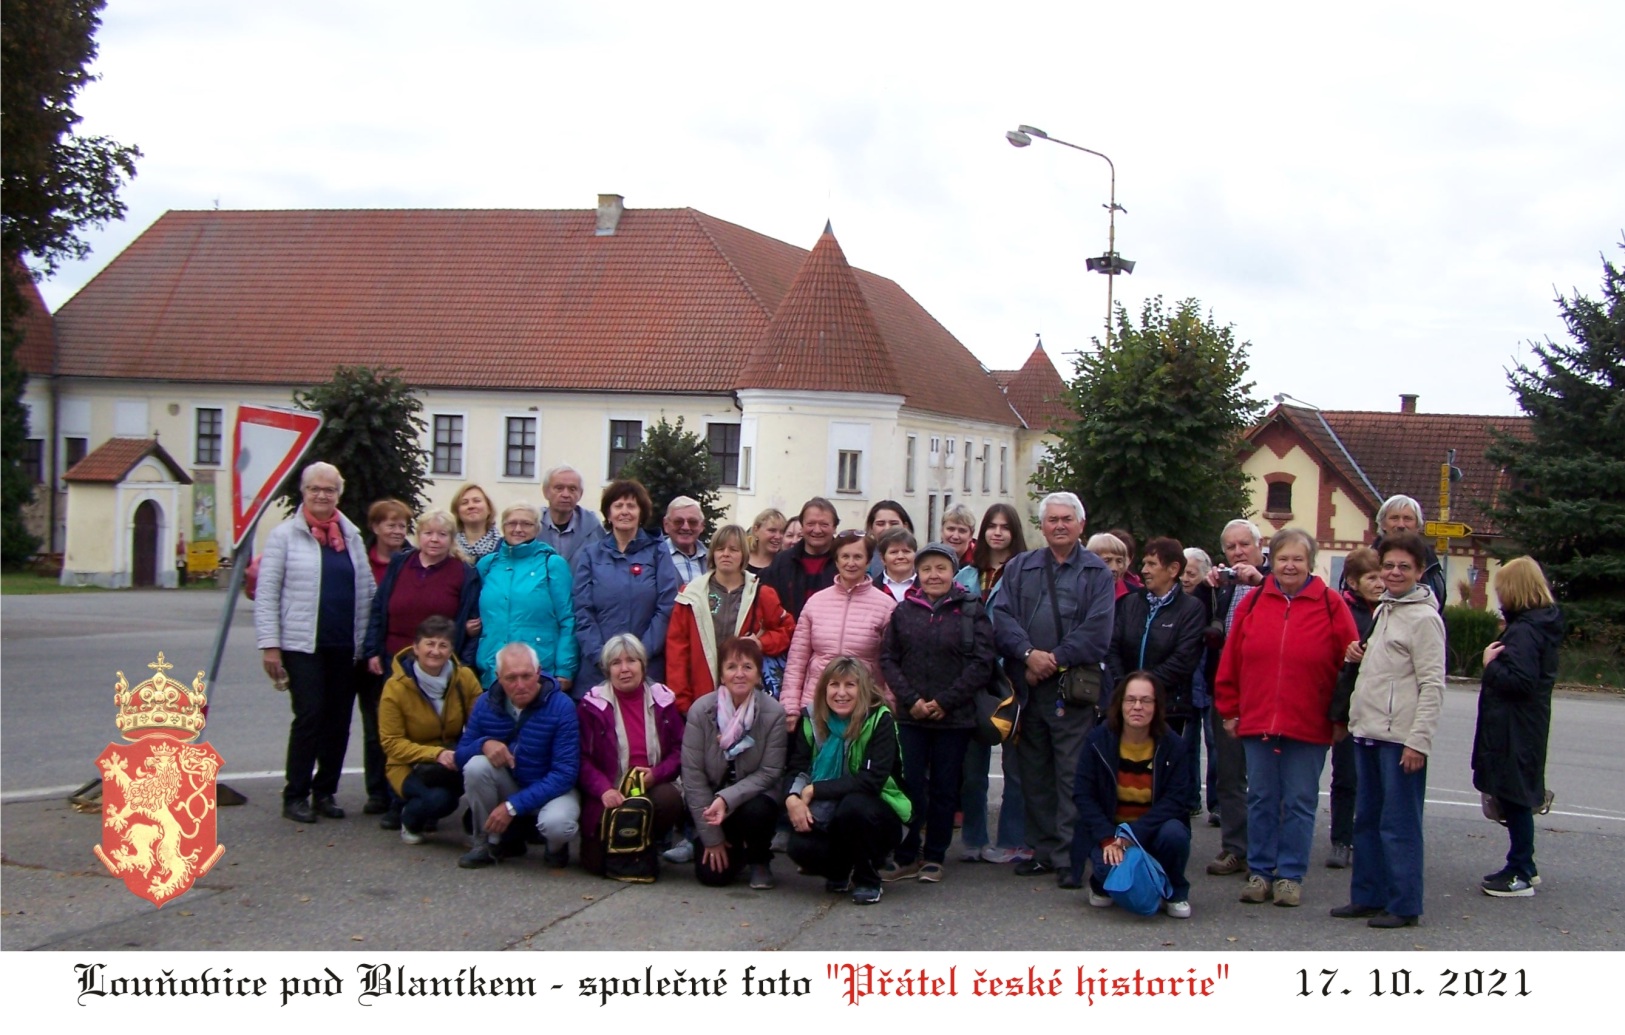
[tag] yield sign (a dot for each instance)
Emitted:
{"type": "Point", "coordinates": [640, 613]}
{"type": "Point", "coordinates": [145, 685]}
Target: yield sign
{"type": "Point", "coordinates": [267, 443]}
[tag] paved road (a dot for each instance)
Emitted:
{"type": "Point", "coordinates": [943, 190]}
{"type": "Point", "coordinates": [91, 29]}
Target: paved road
{"type": "Point", "coordinates": [348, 885]}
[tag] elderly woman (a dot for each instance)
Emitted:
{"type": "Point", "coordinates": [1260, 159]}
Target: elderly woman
{"type": "Point", "coordinates": [894, 549]}
{"type": "Point", "coordinates": [1515, 718]}
{"type": "Point", "coordinates": [725, 602]}
{"type": "Point", "coordinates": [849, 617]}
{"type": "Point", "coordinates": [525, 591]}
{"type": "Point", "coordinates": [847, 811]}
{"type": "Point", "coordinates": [388, 521]}
{"type": "Point", "coordinates": [477, 531]}
{"type": "Point", "coordinates": [1274, 690]}
{"type": "Point", "coordinates": [310, 619]}
{"type": "Point", "coordinates": [733, 758]}
{"type": "Point", "coordinates": [1114, 552]}
{"type": "Point", "coordinates": [628, 724]}
{"type": "Point", "coordinates": [426, 702]}
{"type": "Point", "coordinates": [624, 582]}
{"type": "Point", "coordinates": [959, 532]}
{"type": "Point", "coordinates": [1393, 716]}
{"type": "Point", "coordinates": [765, 540]}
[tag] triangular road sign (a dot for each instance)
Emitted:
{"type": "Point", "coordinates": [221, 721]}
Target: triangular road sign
{"type": "Point", "coordinates": [266, 443]}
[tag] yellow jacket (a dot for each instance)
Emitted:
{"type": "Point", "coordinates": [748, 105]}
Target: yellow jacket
{"type": "Point", "coordinates": [408, 727]}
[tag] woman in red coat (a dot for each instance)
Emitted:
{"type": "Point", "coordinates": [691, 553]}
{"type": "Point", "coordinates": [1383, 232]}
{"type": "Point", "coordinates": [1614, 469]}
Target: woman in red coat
{"type": "Point", "coordinates": [725, 602]}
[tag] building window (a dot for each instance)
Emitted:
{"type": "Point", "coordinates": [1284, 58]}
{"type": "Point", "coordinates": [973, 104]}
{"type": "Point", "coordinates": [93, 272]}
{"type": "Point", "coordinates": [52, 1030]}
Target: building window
{"type": "Point", "coordinates": [908, 463]}
{"type": "Point", "coordinates": [448, 444]}
{"type": "Point", "coordinates": [520, 460]}
{"type": "Point", "coordinates": [846, 476]}
{"type": "Point", "coordinates": [951, 444]}
{"type": "Point", "coordinates": [1279, 498]}
{"type": "Point", "coordinates": [724, 443]}
{"type": "Point", "coordinates": [210, 438]}
{"type": "Point", "coordinates": [932, 509]}
{"type": "Point", "coordinates": [1004, 470]}
{"type": "Point", "coordinates": [967, 465]}
{"type": "Point", "coordinates": [74, 450]}
{"type": "Point", "coordinates": [33, 461]}
{"type": "Point", "coordinates": [625, 436]}
{"type": "Point", "coordinates": [987, 468]}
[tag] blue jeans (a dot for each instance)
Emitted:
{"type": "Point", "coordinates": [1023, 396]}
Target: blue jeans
{"type": "Point", "coordinates": [933, 769]}
{"type": "Point", "coordinates": [973, 798]}
{"type": "Point", "coordinates": [1387, 831]}
{"type": "Point", "coordinates": [1170, 846]}
{"type": "Point", "coordinates": [422, 803]}
{"type": "Point", "coordinates": [1283, 795]}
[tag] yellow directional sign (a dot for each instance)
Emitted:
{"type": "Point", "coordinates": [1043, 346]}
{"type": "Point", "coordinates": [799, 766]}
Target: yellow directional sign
{"type": "Point", "coordinates": [1446, 530]}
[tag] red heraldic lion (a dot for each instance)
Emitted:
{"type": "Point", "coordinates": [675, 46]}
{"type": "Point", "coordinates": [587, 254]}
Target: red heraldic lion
{"type": "Point", "coordinates": [158, 791]}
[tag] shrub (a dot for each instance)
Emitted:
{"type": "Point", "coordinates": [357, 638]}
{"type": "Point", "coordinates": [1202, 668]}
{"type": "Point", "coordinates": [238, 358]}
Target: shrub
{"type": "Point", "coordinates": [1468, 631]}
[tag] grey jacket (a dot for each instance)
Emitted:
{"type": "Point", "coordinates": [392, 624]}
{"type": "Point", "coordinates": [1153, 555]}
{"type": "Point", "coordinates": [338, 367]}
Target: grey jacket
{"type": "Point", "coordinates": [588, 529]}
{"type": "Point", "coordinates": [759, 768]}
{"type": "Point", "coordinates": [288, 596]}
{"type": "Point", "coordinates": [1400, 690]}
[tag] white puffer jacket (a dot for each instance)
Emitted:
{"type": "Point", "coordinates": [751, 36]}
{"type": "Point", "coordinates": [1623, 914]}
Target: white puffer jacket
{"type": "Point", "coordinates": [289, 593]}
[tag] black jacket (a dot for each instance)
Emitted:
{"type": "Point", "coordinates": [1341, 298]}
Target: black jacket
{"type": "Point", "coordinates": [1173, 645]}
{"type": "Point", "coordinates": [940, 652]}
{"type": "Point", "coordinates": [883, 758]}
{"type": "Point", "coordinates": [1094, 791]}
{"type": "Point", "coordinates": [792, 583]}
{"type": "Point", "coordinates": [1515, 709]}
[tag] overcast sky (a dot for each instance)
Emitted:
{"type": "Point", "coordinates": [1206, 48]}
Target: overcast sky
{"type": "Point", "coordinates": [1381, 198]}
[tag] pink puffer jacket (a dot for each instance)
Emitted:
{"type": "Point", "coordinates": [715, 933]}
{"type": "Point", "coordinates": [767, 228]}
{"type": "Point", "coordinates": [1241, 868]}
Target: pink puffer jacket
{"type": "Point", "coordinates": [836, 621]}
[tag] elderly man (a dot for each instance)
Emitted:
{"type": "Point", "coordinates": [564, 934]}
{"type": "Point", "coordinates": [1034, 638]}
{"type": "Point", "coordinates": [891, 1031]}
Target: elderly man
{"type": "Point", "coordinates": [1053, 613]}
{"type": "Point", "coordinates": [1403, 514]}
{"type": "Point", "coordinates": [809, 566]}
{"type": "Point", "coordinates": [683, 524]}
{"type": "Point", "coordinates": [566, 525]}
{"type": "Point", "coordinates": [1243, 547]}
{"type": "Point", "coordinates": [520, 754]}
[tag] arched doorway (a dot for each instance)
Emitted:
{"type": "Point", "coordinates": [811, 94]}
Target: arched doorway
{"type": "Point", "coordinates": [144, 566]}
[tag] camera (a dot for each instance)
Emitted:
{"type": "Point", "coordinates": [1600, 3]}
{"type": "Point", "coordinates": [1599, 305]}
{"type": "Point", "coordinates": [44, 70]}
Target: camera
{"type": "Point", "coordinates": [1227, 575]}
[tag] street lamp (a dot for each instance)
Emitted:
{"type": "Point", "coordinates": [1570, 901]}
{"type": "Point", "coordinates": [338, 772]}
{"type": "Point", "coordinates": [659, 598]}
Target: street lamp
{"type": "Point", "coordinates": [1111, 263]}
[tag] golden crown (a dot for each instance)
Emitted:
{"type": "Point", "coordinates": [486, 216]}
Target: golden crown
{"type": "Point", "coordinates": [160, 705]}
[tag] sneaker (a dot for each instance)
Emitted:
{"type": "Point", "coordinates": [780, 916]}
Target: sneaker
{"type": "Point", "coordinates": [971, 855]}
{"type": "Point", "coordinates": [1386, 919]}
{"type": "Point", "coordinates": [1355, 912]}
{"type": "Point", "coordinates": [679, 853]}
{"type": "Point", "coordinates": [408, 837]}
{"type": "Point", "coordinates": [1534, 878]}
{"type": "Point", "coordinates": [1100, 900]}
{"type": "Point", "coordinates": [996, 855]}
{"type": "Point", "coordinates": [895, 870]}
{"type": "Point", "coordinates": [1257, 890]}
{"type": "Point", "coordinates": [1033, 868]}
{"type": "Point", "coordinates": [375, 807]}
{"type": "Point", "coordinates": [866, 894]}
{"type": "Point", "coordinates": [326, 806]}
{"type": "Point", "coordinates": [556, 859]}
{"type": "Point", "coordinates": [761, 877]}
{"type": "Point", "coordinates": [1507, 885]}
{"type": "Point", "coordinates": [1341, 858]}
{"type": "Point", "coordinates": [838, 887]}
{"type": "Point", "coordinates": [1227, 863]}
{"type": "Point", "coordinates": [931, 873]}
{"type": "Point", "coordinates": [298, 811]}
{"type": "Point", "coordinates": [478, 857]}
{"type": "Point", "coordinates": [1179, 909]}
{"type": "Point", "coordinates": [391, 820]}
{"type": "Point", "coordinates": [1288, 892]}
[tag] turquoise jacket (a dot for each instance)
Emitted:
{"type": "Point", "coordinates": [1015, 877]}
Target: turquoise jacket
{"type": "Point", "coordinates": [525, 597]}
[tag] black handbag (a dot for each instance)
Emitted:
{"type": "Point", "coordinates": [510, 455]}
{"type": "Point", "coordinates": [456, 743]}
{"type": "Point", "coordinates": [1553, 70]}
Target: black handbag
{"type": "Point", "coordinates": [437, 777]}
{"type": "Point", "coordinates": [1080, 684]}
{"type": "Point", "coordinates": [998, 711]}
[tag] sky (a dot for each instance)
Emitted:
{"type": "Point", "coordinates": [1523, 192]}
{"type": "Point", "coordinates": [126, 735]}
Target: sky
{"type": "Point", "coordinates": [1379, 198]}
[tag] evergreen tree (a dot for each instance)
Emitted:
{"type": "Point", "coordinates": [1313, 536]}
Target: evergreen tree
{"type": "Point", "coordinates": [1566, 504]}
{"type": "Point", "coordinates": [1156, 448]}
{"type": "Point", "coordinates": [372, 434]}
{"type": "Point", "coordinates": [672, 462]}
{"type": "Point", "coordinates": [17, 545]}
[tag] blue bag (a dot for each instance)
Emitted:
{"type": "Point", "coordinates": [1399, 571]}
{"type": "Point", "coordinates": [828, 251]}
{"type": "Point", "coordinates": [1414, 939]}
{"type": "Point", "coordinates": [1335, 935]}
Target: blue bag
{"type": "Point", "coordinates": [1138, 883]}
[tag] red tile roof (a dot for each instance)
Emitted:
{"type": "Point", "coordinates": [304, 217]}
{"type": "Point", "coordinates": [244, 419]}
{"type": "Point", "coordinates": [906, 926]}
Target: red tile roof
{"type": "Point", "coordinates": [1037, 393]}
{"type": "Point", "coordinates": [673, 301]}
{"type": "Point", "coordinates": [111, 461]}
{"type": "Point", "coordinates": [35, 351]}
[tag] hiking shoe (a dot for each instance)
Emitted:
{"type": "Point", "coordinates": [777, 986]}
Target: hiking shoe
{"type": "Point", "coordinates": [679, 853]}
{"type": "Point", "coordinates": [931, 873]}
{"type": "Point", "coordinates": [1288, 892]}
{"type": "Point", "coordinates": [839, 886]}
{"type": "Point", "coordinates": [1533, 878]}
{"type": "Point", "coordinates": [1507, 885]}
{"type": "Point", "coordinates": [326, 806]}
{"type": "Point", "coordinates": [895, 870]}
{"type": "Point", "coordinates": [1342, 857]}
{"type": "Point", "coordinates": [477, 858]}
{"type": "Point", "coordinates": [411, 838]}
{"type": "Point", "coordinates": [1257, 890]}
{"type": "Point", "coordinates": [391, 819]}
{"type": "Point", "coordinates": [1352, 911]}
{"type": "Point", "coordinates": [866, 894]}
{"type": "Point", "coordinates": [298, 811]}
{"type": "Point", "coordinates": [1386, 919]}
{"type": "Point", "coordinates": [1227, 863]}
{"type": "Point", "coordinates": [761, 877]}
{"type": "Point", "coordinates": [1179, 909]}
{"type": "Point", "coordinates": [375, 807]}
{"type": "Point", "coordinates": [1067, 880]}
{"type": "Point", "coordinates": [1100, 900]}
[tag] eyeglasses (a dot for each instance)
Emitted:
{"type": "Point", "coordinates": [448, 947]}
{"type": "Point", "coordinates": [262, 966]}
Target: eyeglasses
{"type": "Point", "coordinates": [519, 524]}
{"type": "Point", "coordinates": [850, 533]}
{"type": "Point", "coordinates": [687, 523]}
{"type": "Point", "coordinates": [1405, 566]}
{"type": "Point", "coordinates": [1139, 702]}
{"type": "Point", "coordinates": [320, 490]}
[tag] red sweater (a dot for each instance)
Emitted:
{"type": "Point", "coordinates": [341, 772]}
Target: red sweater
{"type": "Point", "coordinates": [1281, 660]}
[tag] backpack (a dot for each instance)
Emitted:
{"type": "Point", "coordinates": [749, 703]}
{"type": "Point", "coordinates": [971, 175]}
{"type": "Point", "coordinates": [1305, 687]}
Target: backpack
{"type": "Point", "coordinates": [627, 833]}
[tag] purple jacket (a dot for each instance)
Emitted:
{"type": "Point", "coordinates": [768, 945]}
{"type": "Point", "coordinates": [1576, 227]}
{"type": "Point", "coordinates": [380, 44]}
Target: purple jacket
{"type": "Point", "coordinates": [596, 715]}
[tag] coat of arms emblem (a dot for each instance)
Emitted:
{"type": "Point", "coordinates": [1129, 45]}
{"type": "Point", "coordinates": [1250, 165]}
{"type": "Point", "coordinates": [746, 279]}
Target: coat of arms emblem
{"type": "Point", "coordinates": [158, 790]}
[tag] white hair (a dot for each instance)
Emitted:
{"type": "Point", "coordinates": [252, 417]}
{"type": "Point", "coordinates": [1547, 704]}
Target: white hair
{"type": "Point", "coordinates": [553, 472]}
{"type": "Point", "coordinates": [322, 467]}
{"type": "Point", "coordinates": [1399, 503]}
{"type": "Point", "coordinates": [618, 646]}
{"type": "Point", "coordinates": [524, 505]}
{"type": "Point", "coordinates": [1252, 529]}
{"type": "Point", "coordinates": [1198, 559]}
{"type": "Point", "coordinates": [519, 647]}
{"type": "Point", "coordinates": [682, 502]}
{"type": "Point", "coordinates": [1062, 499]}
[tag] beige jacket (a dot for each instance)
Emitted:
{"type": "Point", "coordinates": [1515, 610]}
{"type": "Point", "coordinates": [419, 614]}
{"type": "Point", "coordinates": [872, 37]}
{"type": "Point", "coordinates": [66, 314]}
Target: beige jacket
{"type": "Point", "coordinates": [1400, 691]}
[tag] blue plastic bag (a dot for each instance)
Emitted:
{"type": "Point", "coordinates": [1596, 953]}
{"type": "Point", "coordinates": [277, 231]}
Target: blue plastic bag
{"type": "Point", "coordinates": [1138, 883]}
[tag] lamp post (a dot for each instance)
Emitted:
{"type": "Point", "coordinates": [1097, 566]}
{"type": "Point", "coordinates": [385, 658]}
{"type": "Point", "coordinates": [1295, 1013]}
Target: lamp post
{"type": "Point", "coordinates": [1111, 263]}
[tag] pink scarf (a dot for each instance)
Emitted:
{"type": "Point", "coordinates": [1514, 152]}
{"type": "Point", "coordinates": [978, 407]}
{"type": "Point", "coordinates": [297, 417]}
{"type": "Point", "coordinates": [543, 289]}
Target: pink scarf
{"type": "Point", "coordinates": [328, 533]}
{"type": "Point", "coordinates": [733, 723]}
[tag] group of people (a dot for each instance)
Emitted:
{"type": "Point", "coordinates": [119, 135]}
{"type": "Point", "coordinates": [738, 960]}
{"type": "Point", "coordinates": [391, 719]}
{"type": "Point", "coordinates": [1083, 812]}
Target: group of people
{"type": "Point", "coordinates": [797, 688]}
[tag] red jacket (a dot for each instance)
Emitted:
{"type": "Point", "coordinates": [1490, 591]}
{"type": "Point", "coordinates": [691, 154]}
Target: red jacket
{"type": "Point", "coordinates": [1281, 660]}
{"type": "Point", "coordinates": [691, 653]}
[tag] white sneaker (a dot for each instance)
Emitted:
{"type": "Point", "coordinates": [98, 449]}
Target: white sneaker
{"type": "Point", "coordinates": [410, 838]}
{"type": "Point", "coordinates": [998, 855]}
{"type": "Point", "coordinates": [971, 855]}
{"type": "Point", "coordinates": [682, 852]}
{"type": "Point", "coordinates": [1100, 901]}
{"type": "Point", "coordinates": [1180, 910]}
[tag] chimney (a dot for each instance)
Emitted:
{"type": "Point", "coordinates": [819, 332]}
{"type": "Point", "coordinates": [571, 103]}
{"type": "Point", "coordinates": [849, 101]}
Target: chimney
{"type": "Point", "coordinates": [610, 207]}
{"type": "Point", "coordinates": [1407, 403]}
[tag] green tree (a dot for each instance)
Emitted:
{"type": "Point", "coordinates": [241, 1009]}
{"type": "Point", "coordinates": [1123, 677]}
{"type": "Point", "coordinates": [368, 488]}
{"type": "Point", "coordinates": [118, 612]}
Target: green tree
{"type": "Point", "coordinates": [1155, 449]}
{"type": "Point", "coordinates": [372, 434]}
{"type": "Point", "coordinates": [1566, 504]}
{"type": "Point", "coordinates": [53, 184]}
{"type": "Point", "coordinates": [672, 462]}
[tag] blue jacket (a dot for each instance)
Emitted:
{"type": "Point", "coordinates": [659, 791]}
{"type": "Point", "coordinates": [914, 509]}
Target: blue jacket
{"type": "Point", "coordinates": [525, 598]}
{"type": "Point", "coordinates": [545, 741]}
{"type": "Point", "coordinates": [467, 607]}
{"type": "Point", "coordinates": [1094, 791]}
{"type": "Point", "coordinates": [632, 592]}
{"type": "Point", "coordinates": [1087, 635]}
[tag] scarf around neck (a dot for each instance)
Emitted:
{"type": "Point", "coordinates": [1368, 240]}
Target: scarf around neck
{"type": "Point", "coordinates": [651, 735]}
{"type": "Point", "coordinates": [830, 761]}
{"type": "Point", "coordinates": [733, 722]}
{"type": "Point", "coordinates": [328, 533]}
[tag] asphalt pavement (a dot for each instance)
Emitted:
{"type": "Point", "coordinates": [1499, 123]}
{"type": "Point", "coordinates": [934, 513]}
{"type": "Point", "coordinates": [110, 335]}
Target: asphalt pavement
{"type": "Point", "coordinates": [348, 885]}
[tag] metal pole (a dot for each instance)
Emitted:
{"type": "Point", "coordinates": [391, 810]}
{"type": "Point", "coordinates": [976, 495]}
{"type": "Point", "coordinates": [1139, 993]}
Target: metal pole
{"type": "Point", "coordinates": [239, 570]}
{"type": "Point", "coordinates": [1111, 250]}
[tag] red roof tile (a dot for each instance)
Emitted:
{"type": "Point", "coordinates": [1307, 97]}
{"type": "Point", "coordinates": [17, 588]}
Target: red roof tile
{"type": "Point", "coordinates": [36, 350]}
{"type": "Point", "coordinates": [111, 461]}
{"type": "Point", "coordinates": [1037, 393]}
{"type": "Point", "coordinates": [673, 301]}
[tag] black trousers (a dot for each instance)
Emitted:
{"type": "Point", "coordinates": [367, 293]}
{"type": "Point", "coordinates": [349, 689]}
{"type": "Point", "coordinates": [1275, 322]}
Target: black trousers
{"type": "Point", "coordinates": [370, 691]}
{"type": "Point", "coordinates": [860, 835]}
{"type": "Point", "coordinates": [933, 769]}
{"type": "Point", "coordinates": [321, 688]}
{"type": "Point", "coordinates": [748, 831]}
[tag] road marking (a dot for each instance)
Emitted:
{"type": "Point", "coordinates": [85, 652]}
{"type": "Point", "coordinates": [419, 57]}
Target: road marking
{"type": "Point", "coordinates": [1479, 805]}
{"type": "Point", "coordinates": [35, 793]}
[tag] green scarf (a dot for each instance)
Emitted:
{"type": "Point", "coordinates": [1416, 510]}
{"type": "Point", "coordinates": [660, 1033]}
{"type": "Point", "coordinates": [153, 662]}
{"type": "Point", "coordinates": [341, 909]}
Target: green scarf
{"type": "Point", "coordinates": [830, 761]}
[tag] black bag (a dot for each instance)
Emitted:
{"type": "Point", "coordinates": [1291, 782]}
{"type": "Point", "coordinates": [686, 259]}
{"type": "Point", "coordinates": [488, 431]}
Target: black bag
{"type": "Point", "coordinates": [1080, 684]}
{"type": "Point", "coordinates": [627, 833]}
{"type": "Point", "coordinates": [437, 777]}
{"type": "Point", "coordinates": [1343, 694]}
{"type": "Point", "coordinates": [998, 711]}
